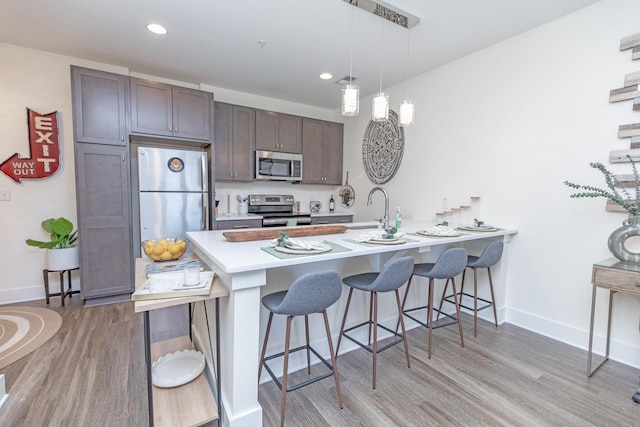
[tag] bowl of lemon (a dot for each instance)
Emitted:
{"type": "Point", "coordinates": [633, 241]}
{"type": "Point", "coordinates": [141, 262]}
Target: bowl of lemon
{"type": "Point", "coordinates": [164, 249]}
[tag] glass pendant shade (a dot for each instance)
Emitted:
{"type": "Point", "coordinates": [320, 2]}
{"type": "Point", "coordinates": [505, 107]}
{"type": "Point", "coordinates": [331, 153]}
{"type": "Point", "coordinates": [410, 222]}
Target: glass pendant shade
{"type": "Point", "coordinates": [406, 113]}
{"type": "Point", "coordinates": [350, 100]}
{"type": "Point", "coordinates": [380, 107]}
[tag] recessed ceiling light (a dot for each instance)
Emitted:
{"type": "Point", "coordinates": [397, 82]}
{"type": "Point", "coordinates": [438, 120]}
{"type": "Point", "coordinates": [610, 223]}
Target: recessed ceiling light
{"type": "Point", "coordinates": [325, 76]}
{"type": "Point", "coordinates": [157, 29]}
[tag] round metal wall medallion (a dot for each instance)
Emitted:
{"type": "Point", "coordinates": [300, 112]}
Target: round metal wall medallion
{"type": "Point", "coordinates": [382, 149]}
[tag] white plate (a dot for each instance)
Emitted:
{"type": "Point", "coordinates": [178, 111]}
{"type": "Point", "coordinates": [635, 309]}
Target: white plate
{"type": "Point", "coordinates": [176, 369]}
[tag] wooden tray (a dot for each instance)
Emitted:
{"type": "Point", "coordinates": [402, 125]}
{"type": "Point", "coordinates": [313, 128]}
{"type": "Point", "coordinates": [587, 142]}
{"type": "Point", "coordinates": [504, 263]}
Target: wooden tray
{"type": "Point", "coordinates": [272, 233]}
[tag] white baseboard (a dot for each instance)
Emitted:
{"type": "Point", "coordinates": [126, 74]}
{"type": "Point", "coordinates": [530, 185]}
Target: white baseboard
{"type": "Point", "coordinates": [30, 293]}
{"type": "Point", "coordinates": [619, 351]}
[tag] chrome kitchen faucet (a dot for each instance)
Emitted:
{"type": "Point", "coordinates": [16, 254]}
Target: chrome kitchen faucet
{"type": "Point", "coordinates": [386, 204]}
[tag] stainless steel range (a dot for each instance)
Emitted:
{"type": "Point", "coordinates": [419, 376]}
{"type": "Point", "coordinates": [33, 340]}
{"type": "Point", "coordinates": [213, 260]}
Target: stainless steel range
{"type": "Point", "coordinates": [277, 210]}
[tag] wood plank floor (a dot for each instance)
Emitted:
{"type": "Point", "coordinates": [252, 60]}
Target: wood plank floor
{"type": "Point", "coordinates": [91, 373]}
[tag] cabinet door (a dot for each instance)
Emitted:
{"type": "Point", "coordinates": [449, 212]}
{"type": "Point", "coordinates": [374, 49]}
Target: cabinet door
{"type": "Point", "coordinates": [243, 137]}
{"type": "Point", "coordinates": [151, 108]}
{"type": "Point", "coordinates": [290, 133]}
{"type": "Point", "coordinates": [99, 106]}
{"type": "Point", "coordinates": [191, 113]}
{"type": "Point", "coordinates": [266, 130]}
{"type": "Point", "coordinates": [223, 125]}
{"type": "Point", "coordinates": [312, 152]}
{"type": "Point", "coordinates": [104, 220]}
{"type": "Point", "coordinates": [332, 158]}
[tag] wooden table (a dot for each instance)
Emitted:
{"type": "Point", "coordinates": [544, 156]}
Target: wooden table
{"type": "Point", "coordinates": [190, 404]}
{"type": "Point", "coordinates": [616, 276]}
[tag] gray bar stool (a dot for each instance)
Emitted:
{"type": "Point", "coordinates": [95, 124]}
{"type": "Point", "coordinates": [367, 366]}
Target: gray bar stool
{"type": "Point", "coordinates": [489, 257]}
{"type": "Point", "coordinates": [393, 275]}
{"type": "Point", "coordinates": [448, 265]}
{"type": "Point", "coordinates": [310, 293]}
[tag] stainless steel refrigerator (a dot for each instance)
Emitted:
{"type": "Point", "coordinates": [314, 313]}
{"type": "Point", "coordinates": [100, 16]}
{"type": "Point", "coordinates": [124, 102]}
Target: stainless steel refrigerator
{"type": "Point", "coordinates": [173, 192]}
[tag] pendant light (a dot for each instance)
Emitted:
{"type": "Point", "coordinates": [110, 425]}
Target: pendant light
{"type": "Point", "coordinates": [351, 92]}
{"type": "Point", "coordinates": [406, 110]}
{"type": "Point", "coordinates": [380, 102]}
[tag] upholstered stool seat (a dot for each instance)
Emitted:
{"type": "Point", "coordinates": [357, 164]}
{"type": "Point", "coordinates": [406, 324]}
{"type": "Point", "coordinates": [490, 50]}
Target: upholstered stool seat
{"type": "Point", "coordinates": [448, 265]}
{"type": "Point", "coordinates": [311, 293]}
{"type": "Point", "coordinates": [393, 276]}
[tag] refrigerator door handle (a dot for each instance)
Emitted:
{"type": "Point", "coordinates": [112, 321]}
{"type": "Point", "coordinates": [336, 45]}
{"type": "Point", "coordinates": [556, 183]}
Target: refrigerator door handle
{"type": "Point", "coordinates": [205, 212]}
{"type": "Point", "coordinates": [205, 184]}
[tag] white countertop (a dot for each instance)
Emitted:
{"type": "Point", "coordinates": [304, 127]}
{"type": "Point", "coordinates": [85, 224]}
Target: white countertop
{"type": "Point", "coordinates": [236, 257]}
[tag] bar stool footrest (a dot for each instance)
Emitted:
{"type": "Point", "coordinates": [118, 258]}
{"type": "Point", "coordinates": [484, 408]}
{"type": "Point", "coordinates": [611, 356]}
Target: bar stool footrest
{"type": "Point", "coordinates": [426, 325]}
{"type": "Point", "coordinates": [449, 299]}
{"type": "Point", "coordinates": [302, 384]}
{"type": "Point", "coordinates": [368, 347]}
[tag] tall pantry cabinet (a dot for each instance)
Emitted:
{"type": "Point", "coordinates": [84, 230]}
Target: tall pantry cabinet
{"type": "Point", "coordinates": [100, 105]}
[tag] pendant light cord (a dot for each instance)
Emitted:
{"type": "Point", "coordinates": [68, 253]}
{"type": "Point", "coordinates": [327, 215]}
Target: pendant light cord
{"type": "Point", "coordinates": [351, 54]}
{"type": "Point", "coordinates": [408, 50]}
{"type": "Point", "coordinates": [381, 48]}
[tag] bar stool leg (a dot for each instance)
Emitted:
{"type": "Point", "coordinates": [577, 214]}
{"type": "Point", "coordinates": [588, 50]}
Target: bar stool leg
{"type": "Point", "coordinates": [344, 321]}
{"type": "Point", "coordinates": [404, 332]}
{"type": "Point", "coordinates": [283, 399]}
{"type": "Point", "coordinates": [375, 335]}
{"type": "Point", "coordinates": [475, 302]}
{"type": "Point", "coordinates": [493, 298]}
{"type": "Point", "coordinates": [455, 300]}
{"type": "Point", "coordinates": [430, 313]}
{"type": "Point", "coordinates": [306, 328]}
{"type": "Point", "coordinates": [333, 358]}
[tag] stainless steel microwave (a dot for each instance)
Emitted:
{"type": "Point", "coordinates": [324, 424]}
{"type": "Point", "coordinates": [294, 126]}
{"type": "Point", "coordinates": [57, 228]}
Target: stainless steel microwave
{"type": "Point", "coordinates": [276, 166]}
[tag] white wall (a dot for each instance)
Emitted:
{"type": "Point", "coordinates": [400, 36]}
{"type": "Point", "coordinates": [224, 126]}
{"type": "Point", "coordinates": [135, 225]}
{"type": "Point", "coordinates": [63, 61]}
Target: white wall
{"type": "Point", "coordinates": [510, 124]}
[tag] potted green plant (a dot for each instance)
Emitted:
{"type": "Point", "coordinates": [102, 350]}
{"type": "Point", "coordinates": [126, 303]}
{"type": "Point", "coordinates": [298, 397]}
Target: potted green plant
{"type": "Point", "coordinates": [61, 253]}
{"type": "Point", "coordinates": [629, 202]}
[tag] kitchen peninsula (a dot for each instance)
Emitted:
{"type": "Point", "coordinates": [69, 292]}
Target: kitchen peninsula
{"type": "Point", "coordinates": [244, 268]}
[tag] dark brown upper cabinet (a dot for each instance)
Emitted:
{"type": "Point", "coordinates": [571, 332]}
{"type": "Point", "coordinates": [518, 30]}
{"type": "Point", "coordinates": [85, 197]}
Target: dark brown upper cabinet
{"type": "Point", "coordinates": [164, 110]}
{"type": "Point", "coordinates": [234, 135]}
{"type": "Point", "coordinates": [278, 132]}
{"type": "Point", "coordinates": [99, 106]}
{"type": "Point", "coordinates": [322, 152]}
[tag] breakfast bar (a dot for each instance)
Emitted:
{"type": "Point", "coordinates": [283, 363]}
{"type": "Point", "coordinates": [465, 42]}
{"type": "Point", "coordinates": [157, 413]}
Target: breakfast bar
{"type": "Point", "coordinates": [246, 267]}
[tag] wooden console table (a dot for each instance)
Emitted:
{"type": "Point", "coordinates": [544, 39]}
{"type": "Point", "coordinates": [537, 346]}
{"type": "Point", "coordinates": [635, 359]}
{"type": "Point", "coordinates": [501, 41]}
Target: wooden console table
{"type": "Point", "coordinates": [189, 404]}
{"type": "Point", "coordinates": [617, 276]}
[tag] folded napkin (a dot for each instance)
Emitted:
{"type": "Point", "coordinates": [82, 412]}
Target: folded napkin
{"type": "Point", "coordinates": [376, 235]}
{"type": "Point", "coordinates": [299, 244]}
{"type": "Point", "coordinates": [441, 230]}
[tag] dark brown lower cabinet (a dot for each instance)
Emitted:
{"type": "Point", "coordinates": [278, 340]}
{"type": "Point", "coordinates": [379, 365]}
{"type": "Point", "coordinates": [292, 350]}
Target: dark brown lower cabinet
{"type": "Point", "coordinates": [104, 222]}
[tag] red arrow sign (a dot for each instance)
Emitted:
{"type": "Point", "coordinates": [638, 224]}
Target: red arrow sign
{"type": "Point", "coordinates": [44, 150]}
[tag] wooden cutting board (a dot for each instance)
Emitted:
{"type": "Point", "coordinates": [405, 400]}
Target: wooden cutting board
{"type": "Point", "coordinates": [272, 233]}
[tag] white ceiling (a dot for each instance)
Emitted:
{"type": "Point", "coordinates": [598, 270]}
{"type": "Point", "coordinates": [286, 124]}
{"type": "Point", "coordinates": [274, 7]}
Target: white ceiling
{"type": "Point", "coordinates": [216, 41]}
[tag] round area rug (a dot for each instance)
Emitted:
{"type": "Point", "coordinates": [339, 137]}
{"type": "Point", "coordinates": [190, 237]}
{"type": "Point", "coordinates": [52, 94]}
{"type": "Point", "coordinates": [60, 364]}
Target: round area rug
{"type": "Point", "coordinates": [23, 329]}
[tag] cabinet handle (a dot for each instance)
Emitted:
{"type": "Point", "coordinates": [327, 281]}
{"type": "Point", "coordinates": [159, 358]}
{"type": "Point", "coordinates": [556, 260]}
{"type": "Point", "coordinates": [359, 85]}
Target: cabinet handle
{"type": "Point", "coordinates": [240, 226]}
{"type": "Point", "coordinates": [343, 220]}
{"type": "Point", "coordinates": [175, 129]}
{"type": "Point", "coordinates": [121, 137]}
{"type": "Point", "coordinates": [323, 222]}
{"type": "Point", "coordinates": [123, 157]}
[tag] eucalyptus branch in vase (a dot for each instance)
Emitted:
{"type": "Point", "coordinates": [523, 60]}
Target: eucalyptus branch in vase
{"type": "Point", "coordinates": [623, 198]}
